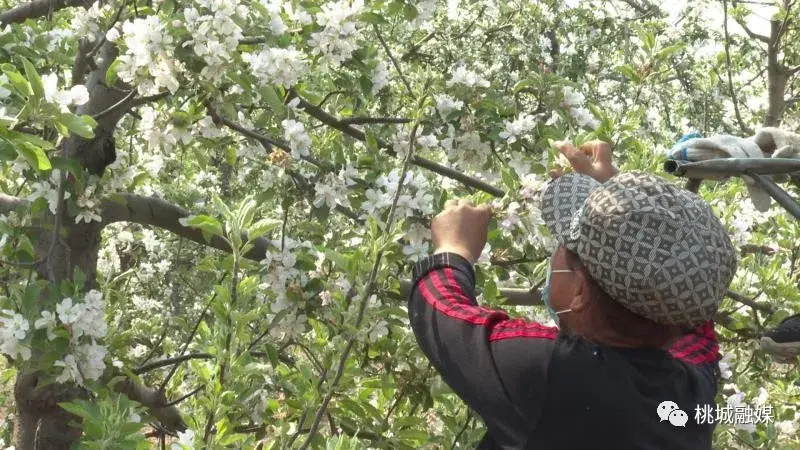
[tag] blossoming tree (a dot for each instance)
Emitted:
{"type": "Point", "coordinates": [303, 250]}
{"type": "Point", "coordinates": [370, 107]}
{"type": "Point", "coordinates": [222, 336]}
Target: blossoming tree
{"type": "Point", "coordinates": [209, 207]}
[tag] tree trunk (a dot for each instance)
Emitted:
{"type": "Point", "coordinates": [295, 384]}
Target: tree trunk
{"type": "Point", "coordinates": [41, 423]}
{"type": "Point", "coordinates": [777, 77]}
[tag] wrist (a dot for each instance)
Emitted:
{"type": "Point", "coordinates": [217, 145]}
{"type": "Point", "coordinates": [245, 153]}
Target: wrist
{"type": "Point", "coordinates": [460, 251]}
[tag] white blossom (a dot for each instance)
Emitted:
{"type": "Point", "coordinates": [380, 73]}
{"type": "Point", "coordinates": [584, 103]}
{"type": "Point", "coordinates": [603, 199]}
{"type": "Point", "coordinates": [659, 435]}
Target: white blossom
{"type": "Point", "coordinates": [185, 439]}
{"type": "Point", "coordinates": [13, 330]}
{"type": "Point", "coordinates": [86, 318]}
{"type": "Point", "coordinates": [331, 191]}
{"type": "Point", "coordinates": [76, 95]}
{"type": "Point", "coordinates": [380, 77]}
{"type": "Point", "coordinates": [427, 141]}
{"type": "Point", "coordinates": [48, 321]}
{"type": "Point", "coordinates": [4, 93]}
{"type": "Point", "coordinates": [445, 104]}
{"type": "Point", "coordinates": [295, 134]}
{"type": "Point", "coordinates": [282, 66]}
{"type": "Point", "coordinates": [70, 372]}
{"type": "Point", "coordinates": [215, 35]}
{"type": "Point", "coordinates": [468, 78]}
{"type": "Point", "coordinates": [338, 39]}
{"type": "Point", "coordinates": [148, 61]}
{"type": "Point", "coordinates": [519, 127]}
{"type": "Point", "coordinates": [379, 331]}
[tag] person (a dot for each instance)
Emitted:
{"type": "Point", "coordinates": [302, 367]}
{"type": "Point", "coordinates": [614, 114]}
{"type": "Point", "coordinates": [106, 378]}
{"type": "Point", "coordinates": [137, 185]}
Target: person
{"type": "Point", "coordinates": [641, 268]}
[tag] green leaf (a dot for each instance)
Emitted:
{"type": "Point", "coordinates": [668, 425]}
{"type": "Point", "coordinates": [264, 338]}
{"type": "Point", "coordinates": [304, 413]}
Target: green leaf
{"type": "Point", "coordinates": [34, 79]}
{"type": "Point", "coordinates": [273, 100]}
{"type": "Point", "coordinates": [262, 227]}
{"type": "Point", "coordinates": [395, 7]}
{"type": "Point", "coordinates": [207, 224]}
{"type": "Point", "coordinates": [111, 73]}
{"type": "Point", "coordinates": [628, 71]}
{"type": "Point", "coordinates": [34, 155]}
{"type": "Point", "coordinates": [76, 408]}
{"type": "Point", "coordinates": [25, 137]}
{"type": "Point", "coordinates": [410, 12]}
{"type": "Point", "coordinates": [373, 18]}
{"type": "Point", "coordinates": [372, 142]}
{"type": "Point", "coordinates": [83, 125]}
{"type": "Point", "coordinates": [17, 80]}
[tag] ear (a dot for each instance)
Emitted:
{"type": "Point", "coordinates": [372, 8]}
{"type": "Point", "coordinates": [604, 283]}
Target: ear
{"type": "Point", "coordinates": [581, 292]}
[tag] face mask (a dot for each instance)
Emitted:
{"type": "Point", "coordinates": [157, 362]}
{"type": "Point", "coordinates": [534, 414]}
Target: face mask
{"type": "Point", "coordinates": [546, 297]}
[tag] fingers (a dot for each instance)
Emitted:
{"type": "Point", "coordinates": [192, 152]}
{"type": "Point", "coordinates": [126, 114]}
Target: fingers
{"type": "Point", "coordinates": [579, 161]}
{"type": "Point", "coordinates": [598, 150]}
{"type": "Point", "coordinates": [462, 202]}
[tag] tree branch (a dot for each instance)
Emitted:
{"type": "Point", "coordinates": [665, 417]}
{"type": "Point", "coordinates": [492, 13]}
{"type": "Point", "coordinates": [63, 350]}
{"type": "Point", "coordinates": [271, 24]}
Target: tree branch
{"type": "Point", "coordinates": [750, 32]}
{"type": "Point", "coordinates": [335, 123]}
{"type": "Point", "coordinates": [266, 141]}
{"type": "Point", "coordinates": [763, 307]}
{"type": "Point", "coordinates": [156, 403]}
{"type": "Point", "coordinates": [9, 203]}
{"type": "Point", "coordinates": [38, 8]}
{"type": "Point", "coordinates": [394, 62]}
{"type": "Point", "coordinates": [162, 214]}
{"type": "Point", "coordinates": [139, 101]}
{"type": "Point", "coordinates": [367, 120]}
{"type": "Point", "coordinates": [747, 130]}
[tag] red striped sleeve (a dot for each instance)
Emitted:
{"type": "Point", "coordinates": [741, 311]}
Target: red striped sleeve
{"type": "Point", "coordinates": [698, 348]}
{"type": "Point", "coordinates": [447, 297]}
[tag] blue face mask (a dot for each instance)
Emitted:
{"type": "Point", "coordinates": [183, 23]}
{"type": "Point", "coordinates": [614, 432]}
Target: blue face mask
{"type": "Point", "coordinates": [546, 296]}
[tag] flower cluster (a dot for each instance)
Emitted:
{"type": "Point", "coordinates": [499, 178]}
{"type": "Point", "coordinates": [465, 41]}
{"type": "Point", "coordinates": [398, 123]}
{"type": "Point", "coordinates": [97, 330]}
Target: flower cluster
{"type": "Point", "coordinates": [295, 134]}
{"type": "Point", "coordinates": [76, 95]}
{"type": "Point", "coordinates": [89, 206]}
{"type": "Point", "coordinates": [215, 35]}
{"type": "Point", "coordinates": [148, 61]}
{"type": "Point", "coordinates": [445, 104]}
{"type": "Point", "coordinates": [282, 66]}
{"type": "Point", "coordinates": [84, 319]}
{"type": "Point", "coordinates": [48, 189]}
{"type": "Point", "coordinates": [13, 331]}
{"type": "Point", "coordinates": [466, 77]}
{"type": "Point", "coordinates": [518, 128]}
{"type": "Point", "coordinates": [380, 78]}
{"type": "Point", "coordinates": [339, 36]}
{"type": "Point", "coordinates": [574, 102]}
{"type": "Point", "coordinates": [467, 150]}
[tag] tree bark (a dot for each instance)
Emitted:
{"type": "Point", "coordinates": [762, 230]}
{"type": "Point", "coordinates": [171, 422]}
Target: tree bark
{"type": "Point", "coordinates": [42, 424]}
{"type": "Point", "coordinates": [777, 76]}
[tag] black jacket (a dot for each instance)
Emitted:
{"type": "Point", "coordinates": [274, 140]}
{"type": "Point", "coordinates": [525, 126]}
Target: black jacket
{"type": "Point", "coordinates": [537, 389]}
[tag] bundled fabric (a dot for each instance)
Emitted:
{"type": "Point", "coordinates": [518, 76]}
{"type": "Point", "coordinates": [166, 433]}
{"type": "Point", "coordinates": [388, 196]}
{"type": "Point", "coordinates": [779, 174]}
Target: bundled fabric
{"type": "Point", "coordinates": [768, 142]}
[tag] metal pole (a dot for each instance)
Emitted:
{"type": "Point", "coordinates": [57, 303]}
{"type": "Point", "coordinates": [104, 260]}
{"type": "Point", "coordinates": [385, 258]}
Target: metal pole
{"type": "Point", "coordinates": [693, 185]}
{"type": "Point", "coordinates": [777, 193]}
{"type": "Point", "coordinates": [724, 168]}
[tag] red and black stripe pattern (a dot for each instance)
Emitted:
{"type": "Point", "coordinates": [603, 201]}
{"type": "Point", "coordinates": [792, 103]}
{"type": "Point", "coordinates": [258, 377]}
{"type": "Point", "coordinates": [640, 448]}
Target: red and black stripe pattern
{"type": "Point", "coordinates": [440, 289]}
{"type": "Point", "coordinates": [698, 348]}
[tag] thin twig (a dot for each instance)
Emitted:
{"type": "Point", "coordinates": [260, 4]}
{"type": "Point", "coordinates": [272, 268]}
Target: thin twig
{"type": "Point", "coordinates": [115, 106]}
{"type": "Point", "coordinates": [191, 336]}
{"type": "Point", "coordinates": [368, 120]}
{"type": "Point", "coordinates": [364, 300]}
{"type": "Point", "coordinates": [394, 62]}
{"type": "Point", "coordinates": [170, 361]}
{"type": "Point", "coordinates": [435, 167]}
{"type": "Point", "coordinates": [734, 97]}
{"type": "Point", "coordinates": [463, 429]}
{"type": "Point", "coordinates": [763, 307]}
{"type": "Point", "coordinates": [175, 402]}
